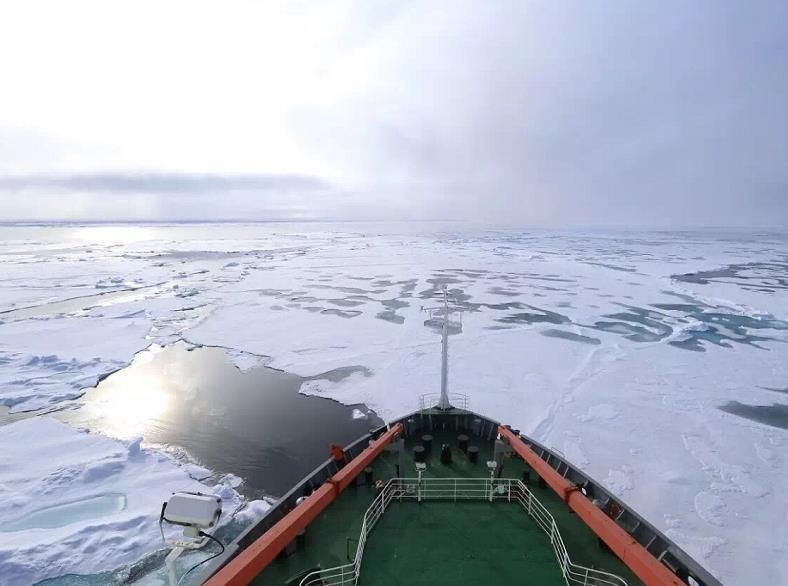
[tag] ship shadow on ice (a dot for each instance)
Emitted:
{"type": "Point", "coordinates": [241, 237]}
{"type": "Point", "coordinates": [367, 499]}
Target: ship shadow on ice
{"type": "Point", "coordinates": [775, 415]}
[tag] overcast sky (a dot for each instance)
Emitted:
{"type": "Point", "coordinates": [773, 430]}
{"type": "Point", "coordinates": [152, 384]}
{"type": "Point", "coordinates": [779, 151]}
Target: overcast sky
{"type": "Point", "coordinates": [666, 113]}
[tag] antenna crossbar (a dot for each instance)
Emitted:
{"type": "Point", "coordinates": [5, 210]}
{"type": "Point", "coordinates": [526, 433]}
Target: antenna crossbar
{"type": "Point", "coordinates": [445, 313]}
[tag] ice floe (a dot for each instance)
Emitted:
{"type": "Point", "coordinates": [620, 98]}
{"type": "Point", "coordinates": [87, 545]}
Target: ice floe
{"type": "Point", "coordinates": [76, 502]}
{"type": "Point", "coordinates": [45, 361]}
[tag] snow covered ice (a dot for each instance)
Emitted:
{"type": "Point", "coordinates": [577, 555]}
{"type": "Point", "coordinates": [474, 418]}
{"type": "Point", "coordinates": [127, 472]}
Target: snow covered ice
{"type": "Point", "coordinates": [76, 502]}
{"type": "Point", "coordinates": [618, 349]}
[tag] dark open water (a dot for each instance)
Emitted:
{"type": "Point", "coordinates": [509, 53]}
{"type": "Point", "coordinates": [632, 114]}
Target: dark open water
{"type": "Point", "coordinates": [254, 424]}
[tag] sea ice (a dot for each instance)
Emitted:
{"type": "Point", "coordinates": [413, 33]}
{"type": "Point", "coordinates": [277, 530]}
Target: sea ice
{"type": "Point", "coordinates": [616, 348]}
{"type": "Point", "coordinates": [45, 361]}
{"type": "Point", "coordinates": [76, 502]}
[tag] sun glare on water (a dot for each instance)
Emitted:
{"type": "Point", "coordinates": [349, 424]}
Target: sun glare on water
{"type": "Point", "coordinates": [131, 411]}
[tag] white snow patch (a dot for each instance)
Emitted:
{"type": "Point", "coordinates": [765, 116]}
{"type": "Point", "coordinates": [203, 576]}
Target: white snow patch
{"type": "Point", "coordinates": [245, 361]}
{"type": "Point", "coordinates": [701, 548]}
{"type": "Point", "coordinates": [710, 507]}
{"type": "Point", "coordinates": [605, 411]}
{"type": "Point", "coordinates": [619, 480]}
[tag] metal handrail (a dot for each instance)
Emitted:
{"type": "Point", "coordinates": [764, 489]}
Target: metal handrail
{"type": "Point", "coordinates": [508, 489]}
{"type": "Point", "coordinates": [430, 400]}
{"type": "Point", "coordinates": [349, 573]}
{"type": "Point", "coordinates": [573, 573]}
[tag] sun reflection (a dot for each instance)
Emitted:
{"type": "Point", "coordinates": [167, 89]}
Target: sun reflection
{"type": "Point", "coordinates": [130, 407]}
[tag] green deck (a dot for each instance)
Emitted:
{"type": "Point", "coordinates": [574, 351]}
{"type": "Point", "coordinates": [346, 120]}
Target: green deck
{"type": "Point", "coordinates": [436, 542]}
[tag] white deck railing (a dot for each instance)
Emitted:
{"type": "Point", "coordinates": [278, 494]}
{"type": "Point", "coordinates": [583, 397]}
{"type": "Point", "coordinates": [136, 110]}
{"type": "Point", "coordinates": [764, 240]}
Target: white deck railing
{"type": "Point", "coordinates": [458, 489]}
{"type": "Point", "coordinates": [430, 400]}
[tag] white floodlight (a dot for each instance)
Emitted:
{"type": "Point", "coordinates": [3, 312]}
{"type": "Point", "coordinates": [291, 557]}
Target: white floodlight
{"type": "Point", "coordinates": [192, 510]}
{"type": "Point", "coordinates": [195, 512]}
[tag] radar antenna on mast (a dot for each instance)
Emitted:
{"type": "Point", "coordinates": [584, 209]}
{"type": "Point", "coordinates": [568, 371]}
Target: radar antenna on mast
{"type": "Point", "coordinates": [441, 317]}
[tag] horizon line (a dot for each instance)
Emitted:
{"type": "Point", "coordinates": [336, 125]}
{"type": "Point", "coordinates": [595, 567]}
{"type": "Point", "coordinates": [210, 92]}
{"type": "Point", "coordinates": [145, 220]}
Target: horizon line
{"type": "Point", "coordinates": [489, 224]}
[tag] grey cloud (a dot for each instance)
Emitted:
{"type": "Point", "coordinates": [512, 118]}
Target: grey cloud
{"type": "Point", "coordinates": [588, 112]}
{"type": "Point", "coordinates": [164, 183]}
{"type": "Point", "coordinates": [659, 113]}
{"type": "Point", "coordinates": [165, 196]}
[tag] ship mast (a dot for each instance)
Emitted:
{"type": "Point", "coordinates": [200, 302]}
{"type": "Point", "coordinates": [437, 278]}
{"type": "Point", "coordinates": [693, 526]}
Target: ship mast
{"type": "Point", "coordinates": [439, 316]}
{"type": "Point", "coordinates": [443, 402]}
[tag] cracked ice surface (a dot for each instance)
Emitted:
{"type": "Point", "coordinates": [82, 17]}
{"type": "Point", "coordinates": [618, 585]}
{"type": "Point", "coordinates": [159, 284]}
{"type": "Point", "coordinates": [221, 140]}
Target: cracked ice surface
{"type": "Point", "coordinates": [76, 502]}
{"type": "Point", "coordinates": [616, 348]}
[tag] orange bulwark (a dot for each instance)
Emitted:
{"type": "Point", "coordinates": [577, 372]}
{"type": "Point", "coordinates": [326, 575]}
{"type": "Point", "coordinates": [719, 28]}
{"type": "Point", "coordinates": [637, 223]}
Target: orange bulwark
{"type": "Point", "coordinates": [251, 561]}
{"type": "Point", "coordinates": [644, 565]}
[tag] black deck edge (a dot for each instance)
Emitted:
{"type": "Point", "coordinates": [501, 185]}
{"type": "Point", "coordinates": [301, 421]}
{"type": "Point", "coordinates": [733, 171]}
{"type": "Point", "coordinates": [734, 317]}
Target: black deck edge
{"type": "Point", "coordinates": [659, 545]}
